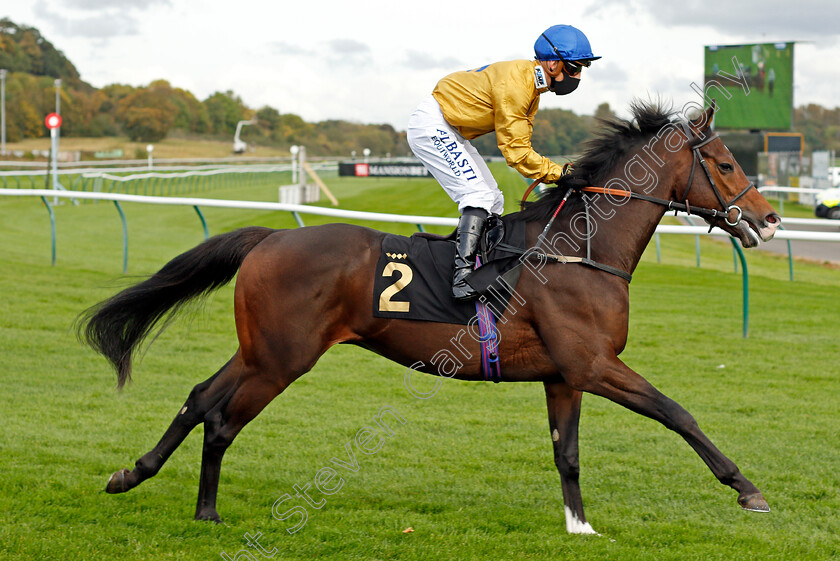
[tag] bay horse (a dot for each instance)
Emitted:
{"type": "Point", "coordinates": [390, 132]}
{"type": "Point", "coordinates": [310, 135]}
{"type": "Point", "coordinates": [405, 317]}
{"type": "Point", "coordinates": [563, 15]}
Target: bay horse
{"type": "Point", "coordinates": [301, 291]}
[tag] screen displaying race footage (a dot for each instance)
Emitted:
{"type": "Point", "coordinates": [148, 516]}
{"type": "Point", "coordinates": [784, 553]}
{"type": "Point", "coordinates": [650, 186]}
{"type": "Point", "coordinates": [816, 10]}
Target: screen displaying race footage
{"type": "Point", "coordinates": [759, 82]}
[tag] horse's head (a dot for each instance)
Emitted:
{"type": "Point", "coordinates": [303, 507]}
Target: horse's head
{"type": "Point", "coordinates": [722, 185]}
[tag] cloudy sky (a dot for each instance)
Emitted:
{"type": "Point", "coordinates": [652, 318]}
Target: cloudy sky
{"type": "Point", "coordinates": [335, 59]}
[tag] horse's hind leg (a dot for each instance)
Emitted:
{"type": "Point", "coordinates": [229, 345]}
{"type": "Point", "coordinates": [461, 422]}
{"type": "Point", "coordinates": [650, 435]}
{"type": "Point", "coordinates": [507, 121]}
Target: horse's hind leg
{"type": "Point", "coordinates": [258, 381]}
{"type": "Point", "coordinates": [201, 399]}
{"type": "Point", "coordinates": [563, 417]}
{"type": "Point", "coordinates": [222, 423]}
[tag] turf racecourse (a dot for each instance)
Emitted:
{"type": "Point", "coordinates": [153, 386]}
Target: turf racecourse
{"type": "Point", "coordinates": [471, 469]}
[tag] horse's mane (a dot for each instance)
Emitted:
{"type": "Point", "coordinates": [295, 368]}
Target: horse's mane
{"type": "Point", "coordinates": [615, 139]}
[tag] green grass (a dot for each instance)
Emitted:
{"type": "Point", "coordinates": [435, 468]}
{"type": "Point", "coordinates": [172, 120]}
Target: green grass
{"type": "Point", "coordinates": [470, 471]}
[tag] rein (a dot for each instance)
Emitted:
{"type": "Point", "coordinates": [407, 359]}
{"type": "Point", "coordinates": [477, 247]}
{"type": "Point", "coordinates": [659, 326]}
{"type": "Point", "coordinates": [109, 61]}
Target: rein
{"type": "Point", "coordinates": [685, 205]}
{"type": "Point", "coordinates": [695, 144]}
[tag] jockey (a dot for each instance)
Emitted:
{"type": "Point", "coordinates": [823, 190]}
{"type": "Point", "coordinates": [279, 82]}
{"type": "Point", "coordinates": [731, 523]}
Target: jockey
{"type": "Point", "coordinates": [501, 97]}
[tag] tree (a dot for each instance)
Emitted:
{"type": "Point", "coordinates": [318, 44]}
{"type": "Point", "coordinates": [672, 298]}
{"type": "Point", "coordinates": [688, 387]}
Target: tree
{"type": "Point", "coordinates": [819, 126]}
{"type": "Point", "coordinates": [146, 124]}
{"type": "Point", "coordinates": [190, 114]}
{"type": "Point", "coordinates": [604, 112]}
{"type": "Point", "coordinates": [268, 125]}
{"type": "Point", "coordinates": [224, 111]}
{"type": "Point", "coordinates": [147, 114]}
{"type": "Point", "coordinates": [294, 129]}
{"type": "Point", "coordinates": [568, 131]}
{"type": "Point", "coordinates": [24, 49]}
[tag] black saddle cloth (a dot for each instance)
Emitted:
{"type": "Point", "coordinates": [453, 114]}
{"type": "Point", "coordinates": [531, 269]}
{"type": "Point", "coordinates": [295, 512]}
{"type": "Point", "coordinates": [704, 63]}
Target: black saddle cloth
{"type": "Point", "coordinates": [414, 275]}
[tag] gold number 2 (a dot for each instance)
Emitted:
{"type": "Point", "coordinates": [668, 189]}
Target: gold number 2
{"type": "Point", "coordinates": [406, 274]}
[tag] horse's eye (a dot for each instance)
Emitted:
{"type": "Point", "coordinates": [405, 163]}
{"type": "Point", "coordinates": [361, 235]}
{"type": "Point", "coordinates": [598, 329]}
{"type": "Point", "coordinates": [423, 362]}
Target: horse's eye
{"type": "Point", "coordinates": [726, 167]}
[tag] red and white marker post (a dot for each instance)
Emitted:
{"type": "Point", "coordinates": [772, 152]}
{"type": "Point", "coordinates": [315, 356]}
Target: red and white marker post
{"type": "Point", "coordinates": [53, 122]}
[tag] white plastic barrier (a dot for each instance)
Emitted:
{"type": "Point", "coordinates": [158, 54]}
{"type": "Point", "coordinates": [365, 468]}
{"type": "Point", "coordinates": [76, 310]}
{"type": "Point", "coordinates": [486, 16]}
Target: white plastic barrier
{"type": "Point", "coordinates": [322, 211]}
{"type": "Point", "coordinates": [372, 216]}
{"type": "Point", "coordinates": [141, 173]}
{"type": "Point", "coordinates": [780, 234]}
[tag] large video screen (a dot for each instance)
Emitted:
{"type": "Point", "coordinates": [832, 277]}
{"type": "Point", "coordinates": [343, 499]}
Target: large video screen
{"type": "Point", "coordinates": [767, 70]}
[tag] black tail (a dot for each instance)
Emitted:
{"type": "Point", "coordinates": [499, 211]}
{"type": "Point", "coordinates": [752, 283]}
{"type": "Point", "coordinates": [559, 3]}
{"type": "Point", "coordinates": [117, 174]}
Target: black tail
{"type": "Point", "coordinates": [116, 327]}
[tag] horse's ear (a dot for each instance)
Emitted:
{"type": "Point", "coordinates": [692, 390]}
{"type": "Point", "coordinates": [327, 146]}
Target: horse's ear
{"type": "Point", "coordinates": [710, 112]}
{"type": "Point", "coordinates": [704, 119]}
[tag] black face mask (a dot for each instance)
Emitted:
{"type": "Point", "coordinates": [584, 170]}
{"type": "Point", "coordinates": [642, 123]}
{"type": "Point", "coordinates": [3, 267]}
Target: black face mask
{"type": "Point", "coordinates": [567, 86]}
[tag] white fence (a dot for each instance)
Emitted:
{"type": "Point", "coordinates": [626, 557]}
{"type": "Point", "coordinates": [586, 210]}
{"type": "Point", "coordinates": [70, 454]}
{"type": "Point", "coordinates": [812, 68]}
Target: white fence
{"type": "Point", "coordinates": [371, 216]}
{"type": "Point", "coordinates": [296, 210]}
{"type": "Point", "coordinates": [98, 179]}
{"type": "Point", "coordinates": [145, 162]}
{"type": "Point", "coordinates": [182, 201]}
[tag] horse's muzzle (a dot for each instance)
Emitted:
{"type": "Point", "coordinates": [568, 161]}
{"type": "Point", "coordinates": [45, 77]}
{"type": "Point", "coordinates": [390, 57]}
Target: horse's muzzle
{"type": "Point", "coordinates": [771, 223]}
{"type": "Point", "coordinates": [752, 232]}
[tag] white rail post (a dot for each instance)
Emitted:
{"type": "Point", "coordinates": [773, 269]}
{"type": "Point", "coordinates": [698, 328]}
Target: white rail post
{"type": "Point", "coordinates": [301, 163]}
{"type": "Point", "coordinates": [293, 150]}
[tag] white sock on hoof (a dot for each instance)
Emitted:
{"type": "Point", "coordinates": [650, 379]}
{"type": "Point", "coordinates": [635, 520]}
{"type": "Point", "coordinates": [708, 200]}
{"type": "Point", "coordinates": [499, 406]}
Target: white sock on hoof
{"type": "Point", "coordinates": [575, 526]}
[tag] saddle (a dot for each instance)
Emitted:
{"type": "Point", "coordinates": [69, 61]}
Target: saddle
{"type": "Point", "coordinates": [414, 274]}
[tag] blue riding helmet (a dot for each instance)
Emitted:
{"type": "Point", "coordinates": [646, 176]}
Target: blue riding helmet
{"type": "Point", "coordinates": [563, 42]}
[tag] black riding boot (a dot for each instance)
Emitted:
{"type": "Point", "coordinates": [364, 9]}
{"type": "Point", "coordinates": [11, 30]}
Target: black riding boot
{"type": "Point", "coordinates": [470, 227]}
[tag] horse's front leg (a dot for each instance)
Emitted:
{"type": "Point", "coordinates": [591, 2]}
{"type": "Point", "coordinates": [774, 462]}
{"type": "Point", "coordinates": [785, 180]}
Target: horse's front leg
{"type": "Point", "coordinates": [611, 378]}
{"type": "Point", "coordinates": [563, 417]}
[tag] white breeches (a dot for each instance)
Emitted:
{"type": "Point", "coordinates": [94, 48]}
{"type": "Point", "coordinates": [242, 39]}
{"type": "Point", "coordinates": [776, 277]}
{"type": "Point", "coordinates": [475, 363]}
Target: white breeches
{"type": "Point", "coordinates": [452, 160]}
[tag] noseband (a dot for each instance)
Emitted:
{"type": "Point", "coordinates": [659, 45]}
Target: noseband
{"type": "Point", "coordinates": [694, 143]}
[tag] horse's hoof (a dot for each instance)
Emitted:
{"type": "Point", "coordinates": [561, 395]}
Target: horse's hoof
{"type": "Point", "coordinates": [116, 483]}
{"type": "Point", "coordinates": [754, 502]}
{"type": "Point", "coordinates": [210, 516]}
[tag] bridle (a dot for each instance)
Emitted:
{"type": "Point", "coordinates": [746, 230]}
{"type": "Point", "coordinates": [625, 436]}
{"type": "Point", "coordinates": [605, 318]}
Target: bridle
{"type": "Point", "coordinates": [695, 144]}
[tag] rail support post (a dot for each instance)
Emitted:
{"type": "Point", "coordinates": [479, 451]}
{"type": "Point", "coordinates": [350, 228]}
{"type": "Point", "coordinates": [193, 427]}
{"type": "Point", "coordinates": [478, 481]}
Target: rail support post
{"type": "Point", "coordinates": [52, 226]}
{"type": "Point", "coordinates": [746, 286]}
{"type": "Point", "coordinates": [203, 221]}
{"type": "Point", "coordinates": [125, 236]}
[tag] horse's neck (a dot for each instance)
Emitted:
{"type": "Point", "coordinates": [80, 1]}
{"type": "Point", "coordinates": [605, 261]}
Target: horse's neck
{"type": "Point", "coordinates": [622, 228]}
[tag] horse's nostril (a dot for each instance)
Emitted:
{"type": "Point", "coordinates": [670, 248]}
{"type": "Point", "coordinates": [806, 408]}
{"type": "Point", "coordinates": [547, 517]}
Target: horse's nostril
{"type": "Point", "coordinates": [773, 219]}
